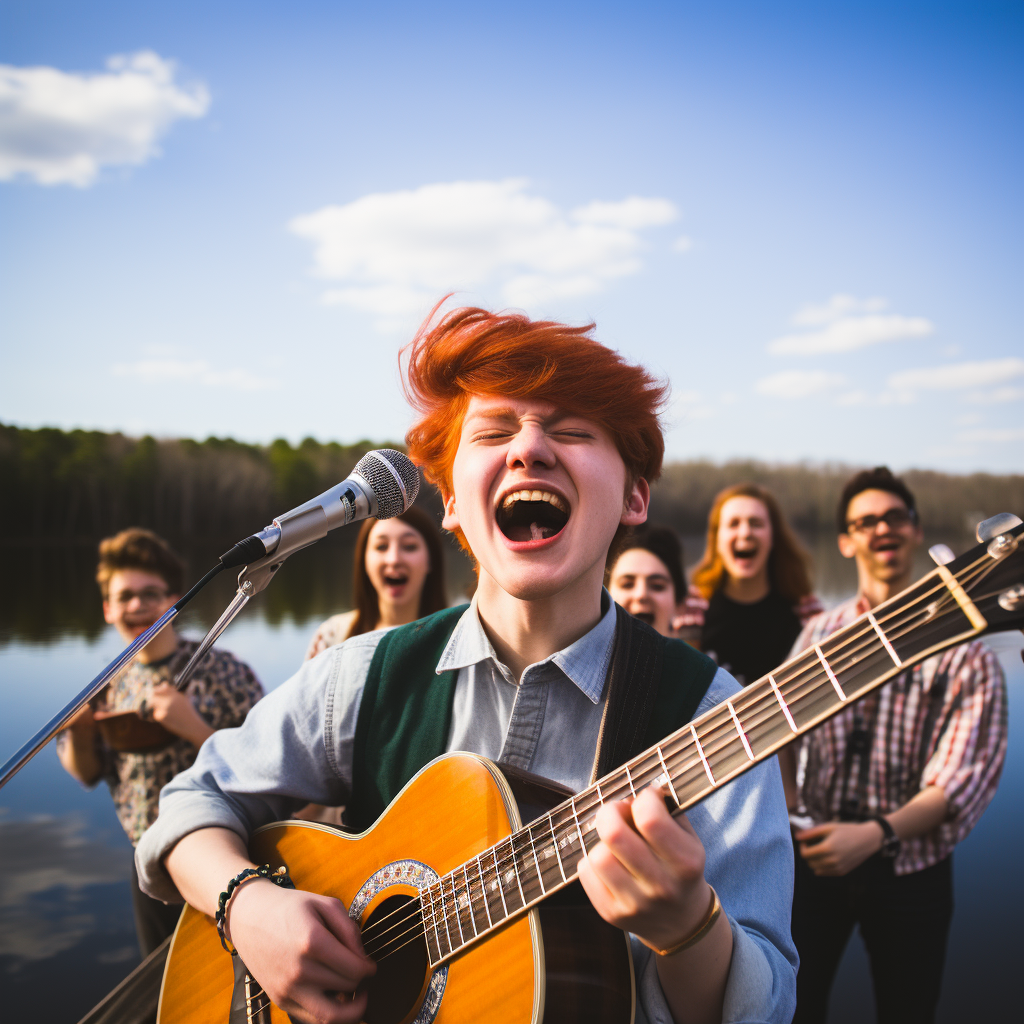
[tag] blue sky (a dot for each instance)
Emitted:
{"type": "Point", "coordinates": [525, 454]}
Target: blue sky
{"type": "Point", "coordinates": [226, 218]}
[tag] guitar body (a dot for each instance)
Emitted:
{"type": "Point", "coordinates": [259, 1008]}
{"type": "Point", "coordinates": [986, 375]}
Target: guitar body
{"type": "Point", "coordinates": [557, 964]}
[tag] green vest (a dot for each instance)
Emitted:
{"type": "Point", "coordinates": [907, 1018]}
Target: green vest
{"type": "Point", "coordinates": [406, 709]}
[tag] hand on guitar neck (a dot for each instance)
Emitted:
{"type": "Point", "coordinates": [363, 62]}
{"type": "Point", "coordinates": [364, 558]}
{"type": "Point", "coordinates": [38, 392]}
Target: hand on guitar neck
{"type": "Point", "coordinates": [299, 944]}
{"type": "Point", "coordinates": [647, 877]}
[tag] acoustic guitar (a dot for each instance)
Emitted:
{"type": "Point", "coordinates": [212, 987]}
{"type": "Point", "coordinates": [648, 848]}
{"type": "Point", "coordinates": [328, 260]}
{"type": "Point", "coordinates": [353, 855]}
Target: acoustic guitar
{"type": "Point", "coordinates": [474, 917]}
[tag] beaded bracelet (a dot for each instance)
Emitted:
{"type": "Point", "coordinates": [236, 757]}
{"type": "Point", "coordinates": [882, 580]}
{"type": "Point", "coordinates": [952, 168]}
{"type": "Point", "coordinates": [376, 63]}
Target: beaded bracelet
{"type": "Point", "coordinates": [278, 877]}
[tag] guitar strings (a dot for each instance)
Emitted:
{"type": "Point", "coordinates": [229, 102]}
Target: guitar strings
{"type": "Point", "coordinates": [797, 683]}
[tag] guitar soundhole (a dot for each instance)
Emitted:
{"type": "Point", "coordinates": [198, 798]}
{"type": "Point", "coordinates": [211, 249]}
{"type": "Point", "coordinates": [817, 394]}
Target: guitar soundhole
{"type": "Point", "coordinates": [402, 963]}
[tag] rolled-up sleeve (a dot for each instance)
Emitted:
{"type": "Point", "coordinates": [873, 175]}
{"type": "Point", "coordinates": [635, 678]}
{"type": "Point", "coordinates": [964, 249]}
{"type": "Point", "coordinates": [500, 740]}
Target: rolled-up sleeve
{"type": "Point", "coordinates": [744, 828]}
{"type": "Point", "coordinates": [285, 755]}
{"type": "Point", "coordinates": [968, 759]}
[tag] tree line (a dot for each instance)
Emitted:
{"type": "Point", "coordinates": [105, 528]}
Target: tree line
{"type": "Point", "coordinates": [80, 485]}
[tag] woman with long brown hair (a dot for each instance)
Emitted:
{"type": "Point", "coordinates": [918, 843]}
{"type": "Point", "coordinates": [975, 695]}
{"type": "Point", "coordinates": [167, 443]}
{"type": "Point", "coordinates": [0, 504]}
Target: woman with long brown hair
{"type": "Point", "coordinates": [398, 577]}
{"type": "Point", "coordinates": [754, 576]}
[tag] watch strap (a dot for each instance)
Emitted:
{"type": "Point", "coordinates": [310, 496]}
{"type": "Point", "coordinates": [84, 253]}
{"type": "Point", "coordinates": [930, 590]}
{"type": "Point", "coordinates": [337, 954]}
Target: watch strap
{"type": "Point", "coordinates": [890, 841]}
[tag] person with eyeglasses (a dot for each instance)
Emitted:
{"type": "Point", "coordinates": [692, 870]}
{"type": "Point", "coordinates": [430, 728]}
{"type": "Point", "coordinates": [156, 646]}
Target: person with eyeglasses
{"type": "Point", "coordinates": [141, 731]}
{"type": "Point", "coordinates": [881, 793]}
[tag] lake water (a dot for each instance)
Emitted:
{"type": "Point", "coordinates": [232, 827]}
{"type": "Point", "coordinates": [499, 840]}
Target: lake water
{"type": "Point", "coordinates": [66, 930]}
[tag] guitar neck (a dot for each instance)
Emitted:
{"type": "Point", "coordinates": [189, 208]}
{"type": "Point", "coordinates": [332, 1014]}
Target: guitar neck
{"type": "Point", "coordinates": [509, 878]}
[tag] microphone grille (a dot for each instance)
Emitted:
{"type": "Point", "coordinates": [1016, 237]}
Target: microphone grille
{"type": "Point", "coordinates": [392, 477]}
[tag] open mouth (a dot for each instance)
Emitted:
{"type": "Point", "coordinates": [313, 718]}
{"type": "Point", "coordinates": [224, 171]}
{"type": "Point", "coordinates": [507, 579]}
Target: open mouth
{"type": "Point", "coordinates": [889, 544]}
{"type": "Point", "coordinates": [532, 515]}
{"type": "Point", "coordinates": [647, 617]}
{"type": "Point", "coordinates": [744, 553]}
{"type": "Point", "coordinates": [394, 579]}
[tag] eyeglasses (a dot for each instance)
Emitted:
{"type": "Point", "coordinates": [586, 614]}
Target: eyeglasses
{"type": "Point", "coordinates": [895, 519]}
{"type": "Point", "coordinates": [148, 595]}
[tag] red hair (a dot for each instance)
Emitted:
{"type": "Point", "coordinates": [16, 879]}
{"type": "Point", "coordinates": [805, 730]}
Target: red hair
{"type": "Point", "coordinates": [474, 352]}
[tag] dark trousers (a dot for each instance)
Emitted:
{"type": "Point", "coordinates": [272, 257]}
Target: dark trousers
{"type": "Point", "coordinates": [904, 922]}
{"type": "Point", "coordinates": [154, 920]}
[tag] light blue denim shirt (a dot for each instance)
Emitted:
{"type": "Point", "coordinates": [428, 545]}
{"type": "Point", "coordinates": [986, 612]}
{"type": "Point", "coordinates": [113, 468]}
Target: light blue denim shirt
{"type": "Point", "coordinates": [296, 747]}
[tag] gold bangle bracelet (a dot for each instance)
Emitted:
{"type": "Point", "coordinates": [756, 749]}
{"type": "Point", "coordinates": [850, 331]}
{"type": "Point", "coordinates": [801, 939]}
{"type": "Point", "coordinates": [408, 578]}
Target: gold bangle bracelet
{"type": "Point", "coordinates": [702, 929]}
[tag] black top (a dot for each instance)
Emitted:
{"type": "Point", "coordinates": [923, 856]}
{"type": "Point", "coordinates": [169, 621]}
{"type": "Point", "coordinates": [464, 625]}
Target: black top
{"type": "Point", "coordinates": [749, 640]}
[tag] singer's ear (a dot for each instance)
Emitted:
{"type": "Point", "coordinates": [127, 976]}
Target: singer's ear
{"type": "Point", "coordinates": [450, 522]}
{"type": "Point", "coordinates": [635, 503]}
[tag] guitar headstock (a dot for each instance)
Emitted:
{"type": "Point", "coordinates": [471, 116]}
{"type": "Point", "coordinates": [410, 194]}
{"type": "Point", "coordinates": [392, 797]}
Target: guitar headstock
{"type": "Point", "coordinates": [992, 573]}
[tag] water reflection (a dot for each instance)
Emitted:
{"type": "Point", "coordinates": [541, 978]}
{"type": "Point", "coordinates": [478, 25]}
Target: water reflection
{"type": "Point", "coordinates": [49, 864]}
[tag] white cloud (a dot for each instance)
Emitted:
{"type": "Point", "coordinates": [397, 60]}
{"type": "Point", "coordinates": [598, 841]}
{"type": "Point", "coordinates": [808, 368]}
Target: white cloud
{"type": "Point", "coordinates": [852, 332]}
{"type": "Point", "coordinates": [682, 244]}
{"type": "Point", "coordinates": [634, 212]}
{"type": "Point", "coordinates": [957, 376]}
{"type": "Point", "coordinates": [836, 308]}
{"type": "Point", "coordinates": [194, 371]}
{"type": "Point", "coordinates": [796, 384]}
{"type": "Point", "coordinates": [996, 396]}
{"type": "Point", "coordinates": [396, 253]}
{"type": "Point", "coordinates": [853, 398]}
{"type": "Point", "coordinates": [60, 128]}
{"type": "Point", "coordinates": [993, 435]}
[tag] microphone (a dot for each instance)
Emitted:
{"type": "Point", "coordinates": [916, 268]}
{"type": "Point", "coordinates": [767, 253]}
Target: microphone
{"type": "Point", "coordinates": [384, 484]}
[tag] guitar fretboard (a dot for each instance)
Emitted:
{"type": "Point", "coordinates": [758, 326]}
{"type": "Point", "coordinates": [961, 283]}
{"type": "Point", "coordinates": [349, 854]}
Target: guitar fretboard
{"type": "Point", "coordinates": [515, 874]}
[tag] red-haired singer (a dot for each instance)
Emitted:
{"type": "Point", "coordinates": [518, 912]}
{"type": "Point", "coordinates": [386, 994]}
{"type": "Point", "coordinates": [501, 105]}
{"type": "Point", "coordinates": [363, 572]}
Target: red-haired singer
{"type": "Point", "coordinates": [543, 444]}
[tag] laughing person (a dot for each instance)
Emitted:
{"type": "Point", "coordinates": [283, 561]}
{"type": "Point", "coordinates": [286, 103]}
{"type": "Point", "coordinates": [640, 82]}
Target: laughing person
{"type": "Point", "coordinates": [647, 578]}
{"type": "Point", "coordinates": [140, 577]}
{"type": "Point", "coordinates": [398, 577]}
{"type": "Point", "coordinates": [890, 785]}
{"type": "Point", "coordinates": [543, 444]}
{"type": "Point", "coordinates": [754, 577]}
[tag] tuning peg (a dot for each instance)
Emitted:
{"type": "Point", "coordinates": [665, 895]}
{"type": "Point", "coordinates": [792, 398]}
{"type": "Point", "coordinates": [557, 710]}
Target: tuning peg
{"type": "Point", "coordinates": [941, 554]}
{"type": "Point", "coordinates": [992, 528]}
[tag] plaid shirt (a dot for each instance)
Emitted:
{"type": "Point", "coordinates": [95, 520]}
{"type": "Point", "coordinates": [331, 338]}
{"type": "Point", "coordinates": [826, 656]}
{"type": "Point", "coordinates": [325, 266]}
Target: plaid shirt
{"type": "Point", "coordinates": [941, 723]}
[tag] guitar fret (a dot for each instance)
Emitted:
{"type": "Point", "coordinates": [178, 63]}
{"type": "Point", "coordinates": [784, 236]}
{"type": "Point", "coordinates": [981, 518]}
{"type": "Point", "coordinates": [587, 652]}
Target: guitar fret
{"type": "Point", "coordinates": [515, 868]}
{"type": "Point", "coordinates": [463, 907]}
{"type": "Point", "coordinates": [885, 640]}
{"type": "Point", "coordinates": [497, 878]}
{"type": "Point", "coordinates": [703, 759]}
{"type": "Point", "coordinates": [629, 779]}
{"type": "Point", "coordinates": [575, 816]}
{"type": "Point", "coordinates": [483, 890]}
{"type": "Point", "coordinates": [668, 777]}
{"type": "Point", "coordinates": [433, 920]}
{"type": "Point", "coordinates": [828, 671]}
{"type": "Point", "coordinates": [554, 844]}
{"type": "Point", "coordinates": [458, 915]}
{"type": "Point", "coordinates": [444, 917]}
{"type": "Point", "coordinates": [469, 899]}
{"type": "Point", "coordinates": [536, 862]}
{"type": "Point", "coordinates": [739, 729]}
{"type": "Point", "coordinates": [782, 703]}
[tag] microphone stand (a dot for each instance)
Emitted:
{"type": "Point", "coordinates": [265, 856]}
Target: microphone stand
{"type": "Point", "coordinates": [292, 532]}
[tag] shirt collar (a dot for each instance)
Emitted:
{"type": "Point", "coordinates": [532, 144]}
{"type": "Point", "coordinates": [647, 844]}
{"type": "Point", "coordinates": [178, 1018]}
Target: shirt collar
{"type": "Point", "coordinates": [584, 662]}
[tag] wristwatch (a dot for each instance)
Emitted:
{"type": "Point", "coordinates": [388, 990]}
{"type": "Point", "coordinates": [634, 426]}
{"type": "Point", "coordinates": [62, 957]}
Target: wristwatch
{"type": "Point", "coordinates": [890, 841]}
